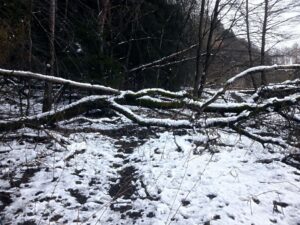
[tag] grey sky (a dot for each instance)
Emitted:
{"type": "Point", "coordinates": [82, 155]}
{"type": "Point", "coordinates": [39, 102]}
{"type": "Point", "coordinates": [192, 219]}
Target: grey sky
{"type": "Point", "coordinates": [289, 29]}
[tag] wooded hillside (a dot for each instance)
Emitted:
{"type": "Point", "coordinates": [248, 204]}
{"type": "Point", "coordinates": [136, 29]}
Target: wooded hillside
{"type": "Point", "coordinates": [108, 42]}
{"type": "Point", "coordinates": [149, 112]}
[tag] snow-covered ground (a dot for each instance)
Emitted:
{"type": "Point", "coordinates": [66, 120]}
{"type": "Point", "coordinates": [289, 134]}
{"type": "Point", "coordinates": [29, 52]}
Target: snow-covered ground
{"type": "Point", "coordinates": [114, 172]}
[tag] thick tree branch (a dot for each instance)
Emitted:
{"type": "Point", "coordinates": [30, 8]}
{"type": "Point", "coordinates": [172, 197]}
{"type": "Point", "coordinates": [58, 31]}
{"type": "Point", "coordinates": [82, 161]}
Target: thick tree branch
{"type": "Point", "coordinates": [260, 139]}
{"type": "Point", "coordinates": [54, 116]}
{"type": "Point", "coordinates": [200, 123]}
{"type": "Point", "coordinates": [159, 99]}
{"type": "Point", "coordinates": [245, 73]}
{"type": "Point", "coordinates": [26, 74]}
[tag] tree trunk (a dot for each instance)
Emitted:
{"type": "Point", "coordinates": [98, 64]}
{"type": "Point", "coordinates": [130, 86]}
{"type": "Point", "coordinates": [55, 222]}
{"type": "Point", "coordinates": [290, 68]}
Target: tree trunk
{"type": "Point", "coordinates": [104, 14]}
{"type": "Point", "coordinates": [66, 10]}
{"type": "Point", "coordinates": [199, 66]}
{"type": "Point", "coordinates": [163, 99]}
{"type": "Point", "coordinates": [263, 42]}
{"type": "Point", "coordinates": [29, 36]}
{"type": "Point", "coordinates": [249, 44]}
{"type": "Point", "coordinates": [209, 47]}
{"type": "Point", "coordinates": [47, 102]}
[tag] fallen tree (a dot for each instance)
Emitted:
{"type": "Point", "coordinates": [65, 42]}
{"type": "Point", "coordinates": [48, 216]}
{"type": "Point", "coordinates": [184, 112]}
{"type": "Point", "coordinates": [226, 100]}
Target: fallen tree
{"type": "Point", "coordinates": [200, 113]}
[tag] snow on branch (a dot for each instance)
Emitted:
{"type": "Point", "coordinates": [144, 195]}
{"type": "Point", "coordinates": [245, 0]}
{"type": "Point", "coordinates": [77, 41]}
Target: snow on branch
{"type": "Point", "coordinates": [289, 86]}
{"type": "Point", "coordinates": [172, 123]}
{"type": "Point", "coordinates": [150, 102]}
{"type": "Point", "coordinates": [96, 87]}
{"type": "Point", "coordinates": [207, 112]}
{"type": "Point", "coordinates": [151, 91]}
{"type": "Point", "coordinates": [247, 73]}
{"type": "Point", "coordinates": [154, 91]}
{"type": "Point", "coordinates": [51, 117]}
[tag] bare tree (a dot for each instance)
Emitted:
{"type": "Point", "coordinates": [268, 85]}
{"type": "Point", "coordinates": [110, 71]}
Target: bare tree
{"type": "Point", "coordinates": [213, 24]}
{"type": "Point", "coordinates": [211, 34]}
{"type": "Point", "coordinates": [263, 40]}
{"type": "Point", "coordinates": [199, 68]}
{"type": "Point", "coordinates": [104, 17]}
{"type": "Point", "coordinates": [249, 42]}
{"type": "Point", "coordinates": [48, 98]}
{"type": "Point", "coordinates": [263, 19]}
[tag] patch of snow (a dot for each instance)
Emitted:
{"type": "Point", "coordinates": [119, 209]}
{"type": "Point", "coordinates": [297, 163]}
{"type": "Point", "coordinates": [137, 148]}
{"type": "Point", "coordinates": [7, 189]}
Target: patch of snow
{"type": "Point", "coordinates": [215, 177]}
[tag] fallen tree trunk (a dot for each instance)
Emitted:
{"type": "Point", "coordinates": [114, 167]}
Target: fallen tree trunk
{"type": "Point", "coordinates": [203, 113]}
{"type": "Point", "coordinates": [51, 117]}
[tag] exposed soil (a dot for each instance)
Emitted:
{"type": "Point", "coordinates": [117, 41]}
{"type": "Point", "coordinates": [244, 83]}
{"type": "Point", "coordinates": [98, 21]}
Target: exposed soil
{"type": "Point", "coordinates": [80, 198]}
{"type": "Point", "coordinates": [292, 160]}
{"type": "Point", "coordinates": [124, 187]}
